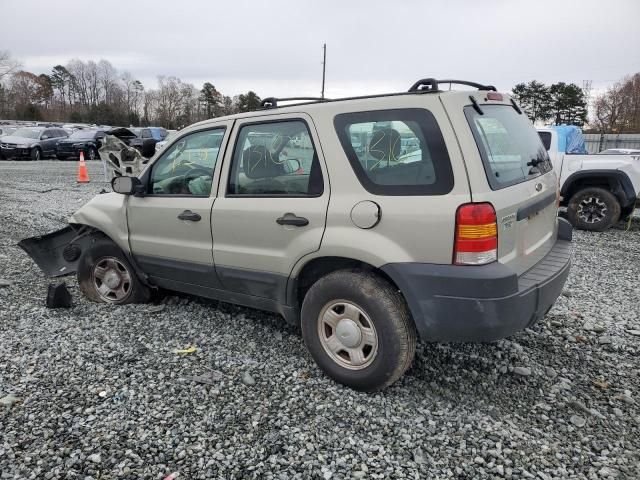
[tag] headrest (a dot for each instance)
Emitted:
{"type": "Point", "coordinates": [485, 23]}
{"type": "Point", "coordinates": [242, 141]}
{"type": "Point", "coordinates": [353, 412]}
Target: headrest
{"type": "Point", "coordinates": [258, 162]}
{"type": "Point", "coordinates": [385, 145]}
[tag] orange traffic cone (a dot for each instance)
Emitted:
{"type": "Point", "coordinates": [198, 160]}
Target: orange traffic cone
{"type": "Point", "coordinates": [83, 175]}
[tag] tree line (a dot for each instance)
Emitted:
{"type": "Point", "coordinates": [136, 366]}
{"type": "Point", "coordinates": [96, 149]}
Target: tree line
{"type": "Point", "coordinates": [616, 110]}
{"type": "Point", "coordinates": [96, 92]}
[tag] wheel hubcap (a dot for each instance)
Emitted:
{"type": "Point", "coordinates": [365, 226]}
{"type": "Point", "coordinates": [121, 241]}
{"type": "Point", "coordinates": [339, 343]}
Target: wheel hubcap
{"type": "Point", "coordinates": [592, 210]}
{"type": "Point", "coordinates": [111, 279]}
{"type": "Point", "coordinates": [347, 334]}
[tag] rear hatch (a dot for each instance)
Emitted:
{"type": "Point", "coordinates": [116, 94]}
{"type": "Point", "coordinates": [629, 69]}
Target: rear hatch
{"type": "Point", "coordinates": [508, 167]}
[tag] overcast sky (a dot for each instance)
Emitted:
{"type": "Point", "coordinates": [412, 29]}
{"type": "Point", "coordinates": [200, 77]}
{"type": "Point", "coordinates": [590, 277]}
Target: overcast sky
{"type": "Point", "coordinates": [275, 47]}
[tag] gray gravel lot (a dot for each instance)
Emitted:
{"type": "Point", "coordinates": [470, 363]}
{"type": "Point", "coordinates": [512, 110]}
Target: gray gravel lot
{"type": "Point", "coordinates": [99, 392]}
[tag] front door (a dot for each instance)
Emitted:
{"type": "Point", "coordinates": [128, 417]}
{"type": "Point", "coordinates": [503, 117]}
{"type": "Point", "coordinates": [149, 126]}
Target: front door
{"type": "Point", "coordinates": [271, 206]}
{"type": "Point", "coordinates": [170, 226]}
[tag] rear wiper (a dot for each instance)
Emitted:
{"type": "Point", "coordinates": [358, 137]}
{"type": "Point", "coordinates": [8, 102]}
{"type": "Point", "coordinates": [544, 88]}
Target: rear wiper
{"type": "Point", "coordinates": [536, 161]}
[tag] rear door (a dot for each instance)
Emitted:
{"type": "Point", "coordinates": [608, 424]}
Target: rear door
{"type": "Point", "coordinates": [508, 167]}
{"type": "Point", "coordinates": [272, 204]}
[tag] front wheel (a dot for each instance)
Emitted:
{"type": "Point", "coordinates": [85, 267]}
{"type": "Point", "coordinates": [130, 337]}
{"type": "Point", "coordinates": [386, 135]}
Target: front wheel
{"type": "Point", "coordinates": [36, 154]}
{"type": "Point", "coordinates": [358, 329]}
{"type": "Point", "coordinates": [105, 275]}
{"type": "Point", "coordinates": [594, 209]}
{"type": "Point", "coordinates": [91, 154]}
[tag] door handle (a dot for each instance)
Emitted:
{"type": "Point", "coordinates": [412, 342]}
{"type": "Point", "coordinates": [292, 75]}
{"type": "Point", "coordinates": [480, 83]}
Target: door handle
{"type": "Point", "coordinates": [292, 219]}
{"type": "Point", "coordinates": [189, 215]}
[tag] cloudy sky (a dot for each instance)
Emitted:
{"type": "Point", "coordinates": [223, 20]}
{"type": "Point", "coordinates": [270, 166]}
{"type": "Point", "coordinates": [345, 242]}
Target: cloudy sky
{"type": "Point", "coordinates": [275, 47]}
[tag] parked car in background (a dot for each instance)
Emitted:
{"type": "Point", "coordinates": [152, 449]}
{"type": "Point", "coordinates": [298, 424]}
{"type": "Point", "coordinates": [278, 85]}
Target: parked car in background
{"type": "Point", "coordinates": [7, 129]}
{"type": "Point", "coordinates": [86, 141]}
{"type": "Point", "coordinates": [458, 242]}
{"type": "Point", "coordinates": [31, 143]}
{"type": "Point", "coordinates": [161, 144]}
{"type": "Point", "coordinates": [597, 190]}
{"type": "Point", "coordinates": [620, 151]}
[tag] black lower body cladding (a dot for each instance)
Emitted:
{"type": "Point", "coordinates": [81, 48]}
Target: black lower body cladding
{"type": "Point", "coordinates": [451, 303]}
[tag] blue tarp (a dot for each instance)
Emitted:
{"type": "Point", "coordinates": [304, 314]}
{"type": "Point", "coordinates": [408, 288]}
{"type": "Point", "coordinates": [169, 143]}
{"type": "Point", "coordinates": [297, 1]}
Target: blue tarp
{"type": "Point", "coordinates": [570, 139]}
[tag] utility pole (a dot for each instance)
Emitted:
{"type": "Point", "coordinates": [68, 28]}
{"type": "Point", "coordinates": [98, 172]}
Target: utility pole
{"type": "Point", "coordinates": [324, 65]}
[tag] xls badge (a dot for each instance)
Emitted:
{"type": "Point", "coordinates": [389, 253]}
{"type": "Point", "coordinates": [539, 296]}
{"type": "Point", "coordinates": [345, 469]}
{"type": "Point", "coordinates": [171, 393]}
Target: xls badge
{"type": "Point", "coordinates": [507, 221]}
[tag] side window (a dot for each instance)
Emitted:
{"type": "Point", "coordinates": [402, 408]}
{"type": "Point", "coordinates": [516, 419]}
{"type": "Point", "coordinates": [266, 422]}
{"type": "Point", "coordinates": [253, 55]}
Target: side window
{"type": "Point", "coordinates": [546, 139]}
{"type": "Point", "coordinates": [275, 158]}
{"type": "Point", "coordinates": [396, 152]}
{"type": "Point", "coordinates": [187, 166]}
{"type": "Point", "coordinates": [145, 133]}
{"type": "Point", "coordinates": [47, 134]}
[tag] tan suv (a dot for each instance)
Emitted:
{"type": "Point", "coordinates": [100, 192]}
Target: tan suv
{"type": "Point", "coordinates": [367, 221]}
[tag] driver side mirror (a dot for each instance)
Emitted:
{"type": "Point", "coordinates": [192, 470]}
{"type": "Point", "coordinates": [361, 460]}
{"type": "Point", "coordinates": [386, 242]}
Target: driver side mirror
{"type": "Point", "coordinates": [126, 185]}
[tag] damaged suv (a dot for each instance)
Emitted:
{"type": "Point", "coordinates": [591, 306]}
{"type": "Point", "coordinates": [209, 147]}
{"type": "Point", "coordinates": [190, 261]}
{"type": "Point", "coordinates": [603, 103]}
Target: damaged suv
{"type": "Point", "coordinates": [368, 221]}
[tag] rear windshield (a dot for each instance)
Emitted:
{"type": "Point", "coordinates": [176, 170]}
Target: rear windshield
{"type": "Point", "coordinates": [510, 147]}
{"type": "Point", "coordinates": [396, 152]}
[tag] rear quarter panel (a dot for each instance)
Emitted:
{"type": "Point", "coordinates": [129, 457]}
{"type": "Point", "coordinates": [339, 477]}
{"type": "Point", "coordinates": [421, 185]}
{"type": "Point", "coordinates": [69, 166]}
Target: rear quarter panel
{"type": "Point", "coordinates": [412, 228]}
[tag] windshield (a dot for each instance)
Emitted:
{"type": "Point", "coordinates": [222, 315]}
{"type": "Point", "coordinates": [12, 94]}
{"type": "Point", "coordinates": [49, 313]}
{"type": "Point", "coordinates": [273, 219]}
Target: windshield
{"type": "Point", "coordinates": [27, 133]}
{"type": "Point", "coordinates": [83, 135]}
{"type": "Point", "coordinates": [510, 147]}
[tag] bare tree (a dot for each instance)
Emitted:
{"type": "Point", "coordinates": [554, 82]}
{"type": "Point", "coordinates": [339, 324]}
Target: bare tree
{"type": "Point", "coordinates": [7, 64]}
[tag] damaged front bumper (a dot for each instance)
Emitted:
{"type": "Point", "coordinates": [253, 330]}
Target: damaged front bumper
{"type": "Point", "coordinates": [57, 253]}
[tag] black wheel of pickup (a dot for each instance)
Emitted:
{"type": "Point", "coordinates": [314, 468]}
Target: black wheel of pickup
{"type": "Point", "coordinates": [594, 209]}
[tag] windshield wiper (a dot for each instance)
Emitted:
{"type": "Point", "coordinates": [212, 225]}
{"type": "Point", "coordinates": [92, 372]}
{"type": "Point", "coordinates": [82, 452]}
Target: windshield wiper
{"type": "Point", "coordinates": [536, 161]}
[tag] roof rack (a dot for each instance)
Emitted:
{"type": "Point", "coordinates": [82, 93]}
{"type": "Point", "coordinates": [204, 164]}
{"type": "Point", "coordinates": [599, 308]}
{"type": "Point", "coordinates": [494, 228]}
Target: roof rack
{"type": "Point", "coordinates": [272, 102]}
{"type": "Point", "coordinates": [431, 85]}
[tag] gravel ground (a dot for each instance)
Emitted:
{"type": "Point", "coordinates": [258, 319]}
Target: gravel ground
{"type": "Point", "coordinates": [98, 391]}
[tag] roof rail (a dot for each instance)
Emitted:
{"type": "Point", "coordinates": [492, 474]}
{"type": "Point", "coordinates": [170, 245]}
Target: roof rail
{"type": "Point", "coordinates": [431, 85]}
{"type": "Point", "coordinates": [272, 102]}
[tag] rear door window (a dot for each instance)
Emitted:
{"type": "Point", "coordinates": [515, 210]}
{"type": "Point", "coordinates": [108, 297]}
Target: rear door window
{"type": "Point", "coordinates": [275, 159]}
{"type": "Point", "coordinates": [396, 152]}
{"type": "Point", "coordinates": [511, 150]}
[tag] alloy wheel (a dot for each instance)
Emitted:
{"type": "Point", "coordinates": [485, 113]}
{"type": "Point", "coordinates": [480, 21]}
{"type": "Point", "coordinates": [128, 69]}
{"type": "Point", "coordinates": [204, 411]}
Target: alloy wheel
{"type": "Point", "coordinates": [592, 210]}
{"type": "Point", "coordinates": [347, 334]}
{"type": "Point", "coordinates": [111, 279]}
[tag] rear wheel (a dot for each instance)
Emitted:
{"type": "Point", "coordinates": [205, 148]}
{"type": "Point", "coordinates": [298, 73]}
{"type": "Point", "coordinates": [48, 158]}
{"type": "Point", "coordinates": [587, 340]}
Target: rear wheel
{"type": "Point", "coordinates": [105, 275]}
{"type": "Point", "coordinates": [36, 153]}
{"type": "Point", "coordinates": [358, 329]}
{"type": "Point", "coordinates": [91, 154]}
{"type": "Point", "coordinates": [594, 209]}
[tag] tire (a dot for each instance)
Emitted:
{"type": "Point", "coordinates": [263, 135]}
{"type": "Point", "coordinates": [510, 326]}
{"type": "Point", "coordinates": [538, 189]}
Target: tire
{"type": "Point", "coordinates": [380, 315]}
{"type": "Point", "coordinates": [36, 153]}
{"type": "Point", "coordinates": [105, 256]}
{"type": "Point", "coordinates": [91, 153]}
{"type": "Point", "coordinates": [594, 209]}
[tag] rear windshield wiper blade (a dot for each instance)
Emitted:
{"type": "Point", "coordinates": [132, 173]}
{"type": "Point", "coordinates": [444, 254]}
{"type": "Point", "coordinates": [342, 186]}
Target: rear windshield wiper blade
{"type": "Point", "coordinates": [536, 161]}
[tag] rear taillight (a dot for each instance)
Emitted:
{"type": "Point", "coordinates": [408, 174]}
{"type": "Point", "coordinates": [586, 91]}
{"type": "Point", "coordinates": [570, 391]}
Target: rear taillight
{"type": "Point", "coordinates": [476, 240]}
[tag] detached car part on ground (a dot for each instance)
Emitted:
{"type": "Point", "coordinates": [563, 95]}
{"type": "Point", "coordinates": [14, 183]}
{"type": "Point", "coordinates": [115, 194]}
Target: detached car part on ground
{"type": "Point", "coordinates": [440, 220]}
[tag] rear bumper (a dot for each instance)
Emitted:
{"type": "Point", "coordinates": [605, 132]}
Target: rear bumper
{"type": "Point", "coordinates": [452, 303]}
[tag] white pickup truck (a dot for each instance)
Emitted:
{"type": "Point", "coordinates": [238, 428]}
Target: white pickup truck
{"type": "Point", "coordinates": [597, 190]}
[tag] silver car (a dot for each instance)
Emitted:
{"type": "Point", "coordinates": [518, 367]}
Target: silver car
{"type": "Point", "coordinates": [428, 214]}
